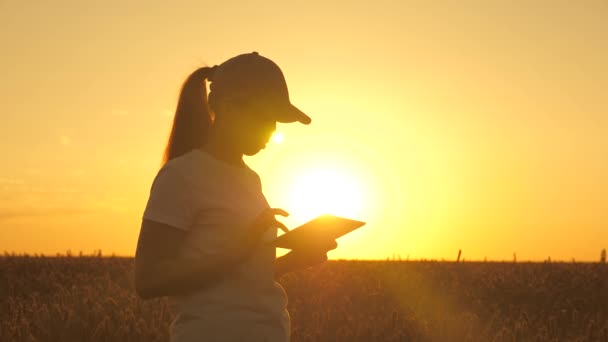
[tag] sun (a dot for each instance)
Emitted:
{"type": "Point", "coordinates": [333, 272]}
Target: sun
{"type": "Point", "coordinates": [326, 191]}
{"type": "Point", "coordinates": [277, 137]}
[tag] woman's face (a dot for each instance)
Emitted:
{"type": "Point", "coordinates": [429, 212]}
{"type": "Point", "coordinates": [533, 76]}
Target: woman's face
{"type": "Point", "coordinates": [253, 127]}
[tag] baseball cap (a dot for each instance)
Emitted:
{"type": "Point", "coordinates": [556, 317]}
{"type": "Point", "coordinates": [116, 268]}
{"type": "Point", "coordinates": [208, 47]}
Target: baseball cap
{"type": "Point", "coordinates": [257, 78]}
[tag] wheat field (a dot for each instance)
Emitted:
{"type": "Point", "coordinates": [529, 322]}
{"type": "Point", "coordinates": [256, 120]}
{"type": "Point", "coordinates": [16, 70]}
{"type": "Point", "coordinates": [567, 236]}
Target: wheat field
{"type": "Point", "coordinates": [90, 298]}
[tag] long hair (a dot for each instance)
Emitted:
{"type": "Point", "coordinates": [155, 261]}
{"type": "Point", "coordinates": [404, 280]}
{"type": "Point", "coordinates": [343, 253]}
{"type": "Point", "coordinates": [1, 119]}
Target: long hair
{"type": "Point", "coordinates": [192, 118]}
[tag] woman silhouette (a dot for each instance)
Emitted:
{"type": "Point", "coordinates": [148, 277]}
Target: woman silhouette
{"type": "Point", "coordinates": [206, 228]}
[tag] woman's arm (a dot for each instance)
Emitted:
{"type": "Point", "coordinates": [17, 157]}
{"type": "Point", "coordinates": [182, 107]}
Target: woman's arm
{"type": "Point", "coordinates": [289, 263]}
{"type": "Point", "coordinates": [299, 259]}
{"type": "Point", "coordinates": [161, 271]}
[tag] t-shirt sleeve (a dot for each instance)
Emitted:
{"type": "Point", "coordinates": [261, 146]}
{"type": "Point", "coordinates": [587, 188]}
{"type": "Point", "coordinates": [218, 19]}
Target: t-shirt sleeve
{"type": "Point", "coordinates": [171, 201]}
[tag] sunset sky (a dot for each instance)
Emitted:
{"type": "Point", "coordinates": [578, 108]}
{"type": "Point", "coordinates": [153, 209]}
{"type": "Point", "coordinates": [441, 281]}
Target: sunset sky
{"type": "Point", "coordinates": [473, 125]}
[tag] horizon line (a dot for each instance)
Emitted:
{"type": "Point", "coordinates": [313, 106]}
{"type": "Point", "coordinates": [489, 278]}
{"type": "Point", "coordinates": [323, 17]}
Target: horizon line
{"type": "Point", "coordinates": [100, 254]}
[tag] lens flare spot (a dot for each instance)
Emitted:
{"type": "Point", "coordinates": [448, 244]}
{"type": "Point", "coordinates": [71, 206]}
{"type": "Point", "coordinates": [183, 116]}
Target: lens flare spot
{"type": "Point", "coordinates": [277, 137]}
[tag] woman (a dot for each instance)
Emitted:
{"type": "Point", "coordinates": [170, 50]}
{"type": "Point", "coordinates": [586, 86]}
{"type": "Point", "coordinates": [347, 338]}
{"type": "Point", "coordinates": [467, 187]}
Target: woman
{"type": "Point", "coordinates": [204, 239]}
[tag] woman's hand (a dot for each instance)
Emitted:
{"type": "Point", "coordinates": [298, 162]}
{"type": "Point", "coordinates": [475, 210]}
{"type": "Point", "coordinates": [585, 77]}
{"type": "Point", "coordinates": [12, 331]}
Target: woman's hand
{"type": "Point", "coordinates": [267, 219]}
{"type": "Point", "coordinates": [260, 225]}
{"type": "Point", "coordinates": [304, 258]}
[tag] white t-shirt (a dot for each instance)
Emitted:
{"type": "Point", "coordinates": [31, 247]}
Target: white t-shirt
{"type": "Point", "coordinates": [212, 201]}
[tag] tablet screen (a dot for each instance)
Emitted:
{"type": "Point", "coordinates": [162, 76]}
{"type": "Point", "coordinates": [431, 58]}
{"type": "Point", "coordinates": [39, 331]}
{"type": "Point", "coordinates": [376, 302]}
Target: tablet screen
{"type": "Point", "coordinates": [325, 227]}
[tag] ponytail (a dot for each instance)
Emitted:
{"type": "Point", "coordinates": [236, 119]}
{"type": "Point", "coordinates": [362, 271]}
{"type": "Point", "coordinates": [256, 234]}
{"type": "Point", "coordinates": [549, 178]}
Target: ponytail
{"type": "Point", "coordinates": [192, 118]}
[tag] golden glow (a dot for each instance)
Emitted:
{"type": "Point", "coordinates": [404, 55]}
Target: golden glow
{"type": "Point", "coordinates": [326, 191]}
{"type": "Point", "coordinates": [469, 136]}
{"type": "Point", "coordinates": [277, 137]}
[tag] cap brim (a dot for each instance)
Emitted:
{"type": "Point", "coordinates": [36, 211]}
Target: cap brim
{"type": "Point", "coordinates": [293, 114]}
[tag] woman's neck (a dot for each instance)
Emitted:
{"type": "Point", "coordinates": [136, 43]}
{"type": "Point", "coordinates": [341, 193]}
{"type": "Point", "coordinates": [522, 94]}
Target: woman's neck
{"type": "Point", "coordinates": [222, 150]}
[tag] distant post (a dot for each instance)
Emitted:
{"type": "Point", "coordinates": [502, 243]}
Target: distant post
{"type": "Point", "coordinates": [603, 256]}
{"type": "Point", "coordinates": [459, 254]}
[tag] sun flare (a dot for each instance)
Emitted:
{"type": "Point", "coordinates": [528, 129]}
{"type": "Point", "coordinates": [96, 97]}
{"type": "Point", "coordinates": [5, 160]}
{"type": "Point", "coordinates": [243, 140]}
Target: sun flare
{"type": "Point", "coordinates": [326, 191]}
{"type": "Point", "coordinates": [277, 137]}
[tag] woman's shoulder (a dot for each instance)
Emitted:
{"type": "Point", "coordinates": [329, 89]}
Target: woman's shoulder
{"type": "Point", "coordinates": [195, 167]}
{"type": "Point", "coordinates": [186, 160]}
{"type": "Point", "coordinates": [180, 167]}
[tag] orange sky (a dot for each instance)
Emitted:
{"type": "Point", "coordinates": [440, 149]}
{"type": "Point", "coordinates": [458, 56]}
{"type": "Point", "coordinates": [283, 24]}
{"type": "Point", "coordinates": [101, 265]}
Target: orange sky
{"type": "Point", "coordinates": [473, 125]}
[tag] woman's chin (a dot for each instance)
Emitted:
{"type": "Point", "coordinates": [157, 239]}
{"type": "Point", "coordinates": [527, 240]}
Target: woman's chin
{"type": "Point", "coordinates": [254, 150]}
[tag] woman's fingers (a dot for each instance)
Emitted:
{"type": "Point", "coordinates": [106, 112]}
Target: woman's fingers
{"type": "Point", "coordinates": [328, 246]}
{"type": "Point", "coordinates": [267, 219]}
{"type": "Point", "coordinates": [282, 226]}
{"type": "Point", "coordinates": [333, 245]}
{"type": "Point", "coordinates": [278, 211]}
{"type": "Point", "coordinates": [269, 214]}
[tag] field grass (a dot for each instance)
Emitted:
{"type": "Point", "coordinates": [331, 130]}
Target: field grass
{"type": "Point", "coordinates": [92, 299]}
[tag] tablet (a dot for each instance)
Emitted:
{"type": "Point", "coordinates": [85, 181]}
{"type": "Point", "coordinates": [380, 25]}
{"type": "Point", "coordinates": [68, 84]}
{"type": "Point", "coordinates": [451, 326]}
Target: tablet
{"type": "Point", "coordinates": [323, 228]}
